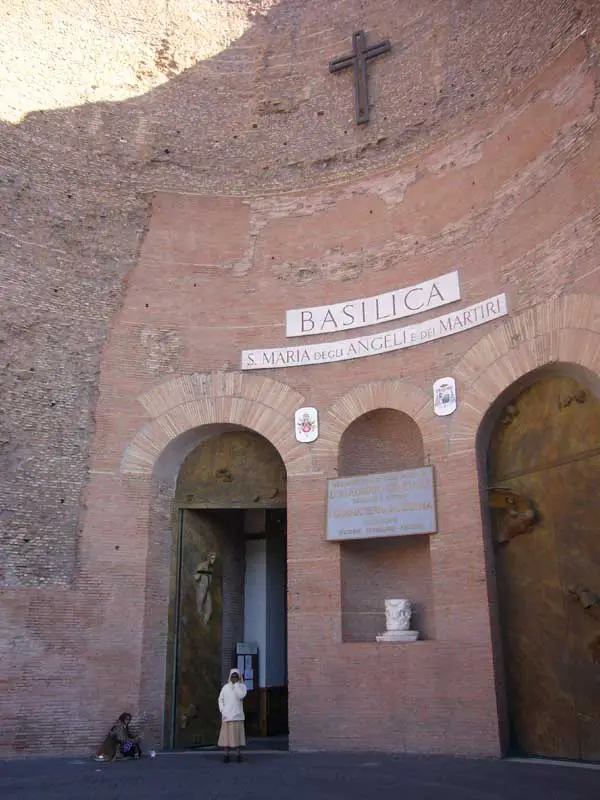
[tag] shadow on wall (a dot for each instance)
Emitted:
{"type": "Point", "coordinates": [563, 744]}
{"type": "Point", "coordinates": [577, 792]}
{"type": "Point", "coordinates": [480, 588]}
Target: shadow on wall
{"type": "Point", "coordinates": [75, 199]}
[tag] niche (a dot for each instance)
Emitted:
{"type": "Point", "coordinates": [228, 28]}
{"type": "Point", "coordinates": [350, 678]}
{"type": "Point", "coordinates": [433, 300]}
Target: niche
{"type": "Point", "coordinates": [372, 570]}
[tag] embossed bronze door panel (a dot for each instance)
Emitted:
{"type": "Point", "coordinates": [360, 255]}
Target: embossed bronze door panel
{"type": "Point", "coordinates": [577, 526]}
{"type": "Point", "coordinates": [545, 454]}
{"type": "Point", "coordinates": [199, 632]}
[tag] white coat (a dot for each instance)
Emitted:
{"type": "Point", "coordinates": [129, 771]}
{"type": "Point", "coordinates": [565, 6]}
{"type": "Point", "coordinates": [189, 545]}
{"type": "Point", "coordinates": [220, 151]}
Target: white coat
{"type": "Point", "coordinates": [231, 700]}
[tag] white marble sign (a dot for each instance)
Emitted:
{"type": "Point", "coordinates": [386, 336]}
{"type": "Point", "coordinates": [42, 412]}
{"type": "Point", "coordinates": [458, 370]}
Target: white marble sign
{"type": "Point", "coordinates": [378, 506]}
{"type": "Point", "coordinates": [456, 321]}
{"type": "Point", "coordinates": [373, 310]}
{"type": "Point", "coordinates": [444, 397]}
{"type": "Point", "coordinates": [306, 422]}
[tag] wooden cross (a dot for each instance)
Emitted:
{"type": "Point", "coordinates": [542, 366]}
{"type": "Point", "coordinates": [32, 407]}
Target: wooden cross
{"type": "Point", "coordinates": [358, 60]}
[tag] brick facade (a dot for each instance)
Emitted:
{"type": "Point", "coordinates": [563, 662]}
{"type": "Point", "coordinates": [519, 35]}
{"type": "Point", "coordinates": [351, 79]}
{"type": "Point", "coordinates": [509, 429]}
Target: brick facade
{"type": "Point", "coordinates": [149, 242]}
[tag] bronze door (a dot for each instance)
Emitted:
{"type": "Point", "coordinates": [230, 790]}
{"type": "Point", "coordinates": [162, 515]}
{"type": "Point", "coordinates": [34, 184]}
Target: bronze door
{"type": "Point", "coordinates": [544, 473]}
{"type": "Point", "coordinates": [197, 662]}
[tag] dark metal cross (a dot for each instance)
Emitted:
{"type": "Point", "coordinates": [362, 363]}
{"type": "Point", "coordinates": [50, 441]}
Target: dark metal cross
{"type": "Point", "coordinates": [358, 60]}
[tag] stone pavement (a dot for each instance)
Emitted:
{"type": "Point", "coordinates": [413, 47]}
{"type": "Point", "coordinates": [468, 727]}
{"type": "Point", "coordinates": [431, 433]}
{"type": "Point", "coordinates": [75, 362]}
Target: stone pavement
{"type": "Point", "coordinates": [290, 776]}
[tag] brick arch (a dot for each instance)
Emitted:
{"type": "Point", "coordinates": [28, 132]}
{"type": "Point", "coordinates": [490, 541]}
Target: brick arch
{"type": "Point", "coordinates": [398, 395]}
{"type": "Point", "coordinates": [208, 399]}
{"type": "Point", "coordinates": [563, 330]}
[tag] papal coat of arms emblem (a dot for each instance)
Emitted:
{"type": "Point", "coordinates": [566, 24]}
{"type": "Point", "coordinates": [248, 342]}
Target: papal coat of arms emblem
{"type": "Point", "coordinates": [307, 424]}
{"type": "Point", "coordinates": [444, 397]}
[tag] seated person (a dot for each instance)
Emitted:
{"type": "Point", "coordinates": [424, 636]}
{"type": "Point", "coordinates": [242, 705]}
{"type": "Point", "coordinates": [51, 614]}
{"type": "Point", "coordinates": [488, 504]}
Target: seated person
{"type": "Point", "coordinates": [120, 741]}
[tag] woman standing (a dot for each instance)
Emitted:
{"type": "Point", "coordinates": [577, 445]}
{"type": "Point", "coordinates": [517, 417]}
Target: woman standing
{"type": "Point", "coordinates": [231, 706]}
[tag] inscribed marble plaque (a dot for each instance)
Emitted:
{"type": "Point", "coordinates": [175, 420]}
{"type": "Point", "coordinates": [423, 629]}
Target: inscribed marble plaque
{"type": "Point", "coordinates": [365, 311]}
{"type": "Point", "coordinates": [382, 505]}
{"type": "Point", "coordinates": [462, 319]}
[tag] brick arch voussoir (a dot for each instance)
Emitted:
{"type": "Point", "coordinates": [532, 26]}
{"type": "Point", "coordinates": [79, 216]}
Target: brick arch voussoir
{"type": "Point", "coordinates": [199, 385]}
{"type": "Point", "coordinates": [192, 401]}
{"type": "Point", "coordinates": [565, 330]}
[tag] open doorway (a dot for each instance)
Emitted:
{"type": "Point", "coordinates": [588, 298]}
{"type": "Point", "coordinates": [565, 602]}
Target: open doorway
{"type": "Point", "coordinates": [229, 595]}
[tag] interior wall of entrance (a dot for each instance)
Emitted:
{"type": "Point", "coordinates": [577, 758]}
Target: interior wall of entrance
{"type": "Point", "coordinates": [228, 594]}
{"type": "Point", "coordinates": [543, 472]}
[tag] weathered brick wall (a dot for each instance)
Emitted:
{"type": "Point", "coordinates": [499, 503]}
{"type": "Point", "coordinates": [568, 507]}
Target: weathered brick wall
{"type": "Point", "coordinates": [482, 154]}
{"type": "Point", "coordinates": [381, 441]}
{"type": "Point", "coordinates": [247, 106]}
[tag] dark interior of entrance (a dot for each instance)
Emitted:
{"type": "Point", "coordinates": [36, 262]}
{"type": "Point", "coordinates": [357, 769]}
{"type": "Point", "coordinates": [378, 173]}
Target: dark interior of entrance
{"type": "Point", "coordinates": [229, 589]}
{"type": "Point", "coordinates": [543, 472]}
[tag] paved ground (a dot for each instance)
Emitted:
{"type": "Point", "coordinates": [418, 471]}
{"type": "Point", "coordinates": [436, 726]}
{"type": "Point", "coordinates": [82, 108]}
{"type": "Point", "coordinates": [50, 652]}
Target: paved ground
{"type": "Point", "coordinates": [288, 776]}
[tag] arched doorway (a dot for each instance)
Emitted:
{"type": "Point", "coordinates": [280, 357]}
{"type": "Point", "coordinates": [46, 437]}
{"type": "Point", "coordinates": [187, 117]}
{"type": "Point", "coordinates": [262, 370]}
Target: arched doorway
{"type": "Point", "coordinates": [543, 474]}
{"type": "Point", "coordinates": [228, 596]}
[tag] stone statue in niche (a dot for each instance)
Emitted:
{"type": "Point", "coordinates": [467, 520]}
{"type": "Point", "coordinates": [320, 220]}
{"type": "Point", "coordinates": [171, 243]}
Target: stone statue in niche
{"type": "Point", "coordinates": [203, 577]}
{"type": "Point", "coordinates": [398, 613]}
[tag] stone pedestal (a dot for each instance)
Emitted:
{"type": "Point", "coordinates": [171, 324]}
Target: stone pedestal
{"type": "Point", "coordinates": [398, 636]}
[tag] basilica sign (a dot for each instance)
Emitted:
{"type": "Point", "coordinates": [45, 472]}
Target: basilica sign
{"type": "Point", "coordinates": [397, 339]}
{"type": "Point", "coordinates": [383, 505]}
{"type": "Point", "coordinates": [373, 310]}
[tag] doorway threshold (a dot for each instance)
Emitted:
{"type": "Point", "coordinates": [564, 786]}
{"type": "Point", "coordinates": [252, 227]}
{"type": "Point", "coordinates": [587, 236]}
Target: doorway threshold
{"type": "Point", "coordinates": [255, 744]}
{"type": "Point", "coordinates": [271, 743]}
{"type": "Point", "coordinates": [554, 762]}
